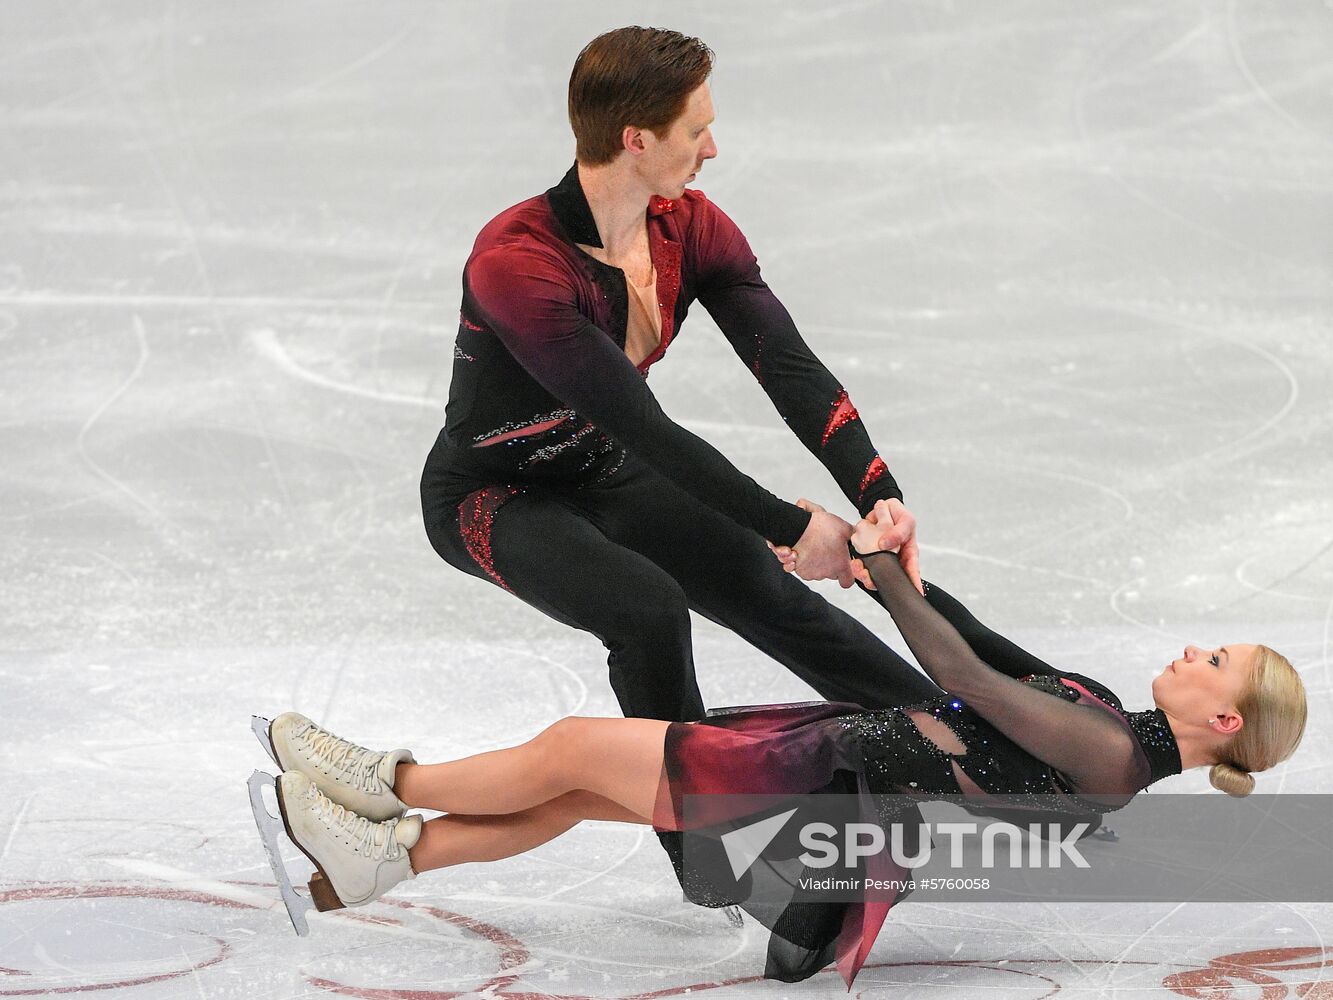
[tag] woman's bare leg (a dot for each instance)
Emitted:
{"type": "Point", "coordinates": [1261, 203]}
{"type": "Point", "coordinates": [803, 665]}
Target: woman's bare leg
{"type": "Point", "coordinates": [618, 759]}
{"type": "Point", "coordinates": [457, 839]}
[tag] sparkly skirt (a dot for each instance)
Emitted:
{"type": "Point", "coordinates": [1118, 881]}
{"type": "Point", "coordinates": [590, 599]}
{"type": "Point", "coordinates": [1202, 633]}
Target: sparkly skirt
{"type": "Point", "coordinates": [789, 749]}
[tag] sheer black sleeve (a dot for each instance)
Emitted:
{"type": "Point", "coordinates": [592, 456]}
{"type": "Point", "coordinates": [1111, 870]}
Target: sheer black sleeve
{"type": "Point", "coordinates": [998, 652]}
{"type": "Point", "coordinates": [1092, 746]}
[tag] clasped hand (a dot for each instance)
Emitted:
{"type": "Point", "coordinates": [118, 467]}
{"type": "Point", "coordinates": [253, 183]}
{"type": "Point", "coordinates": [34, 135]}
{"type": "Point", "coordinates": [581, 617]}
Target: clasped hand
{"type": "Point", "coordinates": [821, 551]}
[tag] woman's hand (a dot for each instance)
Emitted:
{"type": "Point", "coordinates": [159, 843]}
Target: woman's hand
{"type": "Point", "coordinates": [869, 531]}
{"type": "Point", "coordinates": [889, 527]}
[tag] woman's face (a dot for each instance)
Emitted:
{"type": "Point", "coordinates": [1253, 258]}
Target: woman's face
{"type": "Point", "coordinates": [1202, 686]}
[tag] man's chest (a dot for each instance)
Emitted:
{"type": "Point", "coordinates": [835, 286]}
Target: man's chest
{"type": "Point", "coordinates": [633, 294]}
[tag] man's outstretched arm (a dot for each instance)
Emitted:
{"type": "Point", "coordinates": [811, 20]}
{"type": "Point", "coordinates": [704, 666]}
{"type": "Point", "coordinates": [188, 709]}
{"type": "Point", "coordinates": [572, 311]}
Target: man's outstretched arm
{"type": "Point", "coordinates": [811, 401]}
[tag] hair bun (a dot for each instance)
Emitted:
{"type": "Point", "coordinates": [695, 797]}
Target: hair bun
{"type": "Point", "coordinates": [1231, 779]}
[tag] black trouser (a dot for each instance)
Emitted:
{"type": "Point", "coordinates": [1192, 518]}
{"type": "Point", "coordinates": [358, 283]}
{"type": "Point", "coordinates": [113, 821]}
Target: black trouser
{"type": "Point", "coordinates": [628, 559]}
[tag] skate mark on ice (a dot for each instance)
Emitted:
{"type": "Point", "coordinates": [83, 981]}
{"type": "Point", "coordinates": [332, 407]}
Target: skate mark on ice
{"type": "Point", "coordinates": [1243, 66]}
{"type": "Point", "coordinates": [1288, 575]}
{"type": "Point", "coordinates": [265, 343]}
{"type": "Point", "coordinates": [81, 441]}
{"type": "Point", "coordinates": [18, 822]}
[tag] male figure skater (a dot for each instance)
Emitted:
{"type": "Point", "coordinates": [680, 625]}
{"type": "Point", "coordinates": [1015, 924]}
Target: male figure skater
{"type": "Point", "coordinates": [559, 478]}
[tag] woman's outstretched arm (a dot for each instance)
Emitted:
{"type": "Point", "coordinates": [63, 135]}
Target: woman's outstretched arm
{"type": "Point", "coordinates": [1081, 741]}
{"type": "Point", "coordinates": [999, 653]}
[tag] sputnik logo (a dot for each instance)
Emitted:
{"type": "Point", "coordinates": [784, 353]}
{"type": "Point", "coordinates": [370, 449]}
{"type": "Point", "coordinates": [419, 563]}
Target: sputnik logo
{"type": "Point", "coordinates": [744, 846]}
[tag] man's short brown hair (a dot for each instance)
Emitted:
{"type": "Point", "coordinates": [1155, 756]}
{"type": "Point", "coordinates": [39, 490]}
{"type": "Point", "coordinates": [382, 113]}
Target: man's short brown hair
{"type": "Point", "coordinates": [631, 76]}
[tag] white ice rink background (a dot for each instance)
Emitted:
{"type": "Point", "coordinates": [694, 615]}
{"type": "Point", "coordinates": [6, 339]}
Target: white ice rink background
{"type": "Point", "coordinates": [1072, 262]}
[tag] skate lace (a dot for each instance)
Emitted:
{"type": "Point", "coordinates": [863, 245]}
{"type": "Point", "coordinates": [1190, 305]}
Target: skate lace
{"type": "Point", "coordinates": [356, 763]}
{"type": "Point", "coordinates": [361, 830]}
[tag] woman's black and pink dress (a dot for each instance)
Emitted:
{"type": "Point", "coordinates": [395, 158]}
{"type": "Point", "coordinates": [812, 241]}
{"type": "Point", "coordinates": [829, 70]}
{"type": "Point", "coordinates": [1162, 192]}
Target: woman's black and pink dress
{"type": "Point", "coordinates": [1026, 727]}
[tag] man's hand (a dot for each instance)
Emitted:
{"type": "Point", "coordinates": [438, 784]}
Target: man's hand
{"type": "Point", "coordinates": [821, 551]}
{"type": "Point", "coordinates": [888, 527]}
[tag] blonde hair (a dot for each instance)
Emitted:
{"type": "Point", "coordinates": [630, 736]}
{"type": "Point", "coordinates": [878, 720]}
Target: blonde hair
{"type": "Point", "coordinates": [1273, 707]}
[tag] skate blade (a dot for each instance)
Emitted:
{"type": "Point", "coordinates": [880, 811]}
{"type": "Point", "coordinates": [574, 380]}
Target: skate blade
{"type": "Point", "coordinates": [269, 828]}
{"type": "Point", "coordinates": [260, 726]}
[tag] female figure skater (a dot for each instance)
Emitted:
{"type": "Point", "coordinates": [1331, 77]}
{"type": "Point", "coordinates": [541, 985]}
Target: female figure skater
{"type": "Point", "coordinates": [1004, 723]}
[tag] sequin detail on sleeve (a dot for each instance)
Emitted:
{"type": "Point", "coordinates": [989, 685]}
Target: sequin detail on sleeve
{"type": "Point", "coordinates": [550, 451]}
{"type": "Point", "coordinates": [516, 428]}
{"type": "Point", "coordinates": [476, 517]}
{"type": "Point", "coordinates": [1051, 684]}
{"type": "Point", "coordinates": [758, 353]}
{"type": "Point", "coordinates": [843, 411]}
{"type": "Point", "coordinates": [877, 468]}
{"type": "Point", "coordinates": [612, 467]}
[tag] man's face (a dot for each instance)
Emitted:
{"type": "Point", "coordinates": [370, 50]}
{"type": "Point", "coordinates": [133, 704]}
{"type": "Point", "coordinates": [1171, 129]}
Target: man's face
{"type": "Point", "coordinates": [669, 163]}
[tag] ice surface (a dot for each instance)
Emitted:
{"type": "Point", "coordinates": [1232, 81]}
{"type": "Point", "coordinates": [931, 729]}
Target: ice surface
{"type": "Point", "coordinates": [1072, 263]}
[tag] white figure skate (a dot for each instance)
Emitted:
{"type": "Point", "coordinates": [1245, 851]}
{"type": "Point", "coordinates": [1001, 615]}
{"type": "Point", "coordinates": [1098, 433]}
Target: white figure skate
{"type": "Point", "coordinates": [352, 776]}
{"type": "Point", "coordinates": [356, 860]}
{"type": "Point", "coordinates": [270, 827]}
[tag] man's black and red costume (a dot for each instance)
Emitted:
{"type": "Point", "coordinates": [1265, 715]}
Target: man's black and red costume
{"type": "Point", "coordinates": [559, 478]}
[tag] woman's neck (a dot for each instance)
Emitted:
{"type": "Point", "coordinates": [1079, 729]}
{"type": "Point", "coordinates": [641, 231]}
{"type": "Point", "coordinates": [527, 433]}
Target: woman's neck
{"type": "Point", "coordinates": [1198, 745]}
